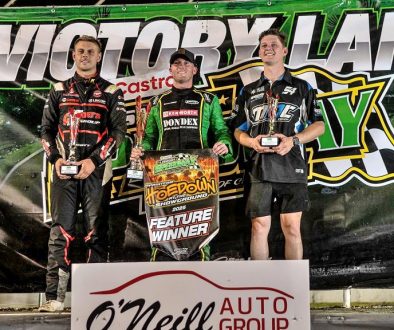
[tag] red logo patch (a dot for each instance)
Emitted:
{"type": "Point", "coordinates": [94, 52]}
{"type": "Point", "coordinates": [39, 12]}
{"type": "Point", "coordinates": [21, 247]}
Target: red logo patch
{"type": "Point", "coordinates": [97, 93]}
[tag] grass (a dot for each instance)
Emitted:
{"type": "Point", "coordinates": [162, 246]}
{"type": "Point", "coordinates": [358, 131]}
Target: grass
{"type": "Point", "coordinates": [9, 160]}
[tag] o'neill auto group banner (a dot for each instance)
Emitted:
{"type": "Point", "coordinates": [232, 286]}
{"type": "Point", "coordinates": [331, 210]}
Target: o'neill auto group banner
{"type": "Point", "coordinates": [344, 49]}
{"type": "Point", "coordinates": [192, 295]}
{"type": "Point", "coordinates": [181, 200]}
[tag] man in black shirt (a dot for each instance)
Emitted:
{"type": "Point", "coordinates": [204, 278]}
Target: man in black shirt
{"type": "Point", "coordinates": [277, 173]}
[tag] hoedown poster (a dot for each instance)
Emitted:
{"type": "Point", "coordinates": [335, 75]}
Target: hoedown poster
{"type": "Point", "coordinates": [181, 200]}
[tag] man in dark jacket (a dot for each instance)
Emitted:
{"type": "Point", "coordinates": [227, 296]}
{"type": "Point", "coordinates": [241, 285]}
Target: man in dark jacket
{"type": "Point", "coordinates": [83, 123]}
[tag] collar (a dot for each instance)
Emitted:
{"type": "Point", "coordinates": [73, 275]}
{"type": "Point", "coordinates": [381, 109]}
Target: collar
{"type": "Point", "coordinates": [287, 77]}
{"type": "Point", "coordinates": [181, 92]}
{"type": "Point", "coordinates": [86, 81]}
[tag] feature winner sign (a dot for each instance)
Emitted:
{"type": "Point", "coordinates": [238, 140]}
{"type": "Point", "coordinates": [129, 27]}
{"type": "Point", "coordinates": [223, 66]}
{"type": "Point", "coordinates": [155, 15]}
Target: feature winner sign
{"type": "Point", "coordinates": [214, 295]}
{"type": "Point", "coordinates": [181, 200]}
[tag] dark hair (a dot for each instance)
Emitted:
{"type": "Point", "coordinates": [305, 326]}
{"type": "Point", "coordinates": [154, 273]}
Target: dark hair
{"type": "Point", "coordinates": [89, 39]}
{"type": "Point", "coordinates": [273, 32]}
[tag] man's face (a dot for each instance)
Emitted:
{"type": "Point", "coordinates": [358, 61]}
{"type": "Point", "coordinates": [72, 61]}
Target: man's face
{"type": "Point", "coordinates": [183, 71]}
{"type": "Point", "coordinates": [86, 55]}
{"type": "Point", "coordinates": [271, 50]}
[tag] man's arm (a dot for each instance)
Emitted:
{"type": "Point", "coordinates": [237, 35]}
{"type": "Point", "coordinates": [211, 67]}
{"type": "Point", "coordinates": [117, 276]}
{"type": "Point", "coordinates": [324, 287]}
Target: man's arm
{"type": "Point", "coordinates": [254, 143]}
{"type": "Point", "coordinates": [223, 145]}
{"type": "Point", "coordinates": [49, 125]}
{"type": "Point", "coordinates": [116, 126]}
{"type": "Point", "coordinates": [314, 129]}
{"type": "Point", "coordinates": [309, 134]}
{"type": "Point", "coordinates": [151, 133]}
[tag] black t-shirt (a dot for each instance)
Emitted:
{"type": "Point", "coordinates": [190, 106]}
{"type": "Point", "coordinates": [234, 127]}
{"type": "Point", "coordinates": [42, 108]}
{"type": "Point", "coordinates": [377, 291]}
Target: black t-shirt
{"type": "Point", "coordinates": [297, 108]}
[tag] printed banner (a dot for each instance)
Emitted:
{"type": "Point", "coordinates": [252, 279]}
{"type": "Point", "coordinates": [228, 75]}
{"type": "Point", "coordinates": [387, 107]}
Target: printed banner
{"type": "Point", "coordinates": [181, 200]}
{"type": "Point", "coordinates": [261, 295]}
{"type": "Point", "coordinates": [344, 49]}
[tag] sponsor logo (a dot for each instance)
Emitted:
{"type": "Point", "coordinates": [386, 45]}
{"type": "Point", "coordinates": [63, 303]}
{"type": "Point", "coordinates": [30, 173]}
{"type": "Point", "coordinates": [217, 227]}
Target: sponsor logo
{"type": "Point", "coordinates": [132, 87]}
{"type": "Point", "coordinates": [69, 100]}
{"type": "Point", "coordinates": [167, 103]}
{"type": "Point", "coordinates": [176, 163]}
{"type": "Point", "coordinates": [101, 101]}
{"type": "Point", "coordinates": [180, 123]}
{"type": "Point", "coordinates": [257, 96]}
{"type": "Point", "coordinates": [130, 306]}
{"type": "Point", "coordinates": [192, 102]}
{"type": "Point", "coordinates": [180, 113]}
{"type": "Point", "coordinates": [97, 93]}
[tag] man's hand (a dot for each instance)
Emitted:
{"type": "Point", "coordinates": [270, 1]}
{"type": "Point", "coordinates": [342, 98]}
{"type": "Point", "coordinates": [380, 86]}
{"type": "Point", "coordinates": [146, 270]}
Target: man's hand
{"type": "Point", "coordinates": [220, 148]}
{"type": "Point", "coordinates": [136, 154]}
{"type": "Point", "coordinates": [87, 167]}
{"type": "Point", "coordinates": [255, 143]}
{"type": "Point", "coordinates": [58, 164]}
{"type": "Point", "coordinates": [285, 145]}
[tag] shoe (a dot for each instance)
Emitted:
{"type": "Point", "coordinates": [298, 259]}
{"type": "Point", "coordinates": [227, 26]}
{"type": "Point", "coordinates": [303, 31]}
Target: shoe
{"type": "Point", "coordinates": [52, 306]}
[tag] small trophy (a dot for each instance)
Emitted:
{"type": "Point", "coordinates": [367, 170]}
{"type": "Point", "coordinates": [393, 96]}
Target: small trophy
{"type": "Point", "coordinates": [73, 122]}
{"type": "Point", "coordinates": [271, 141]}
{"type": "Point", "coordinates": [135, 171]}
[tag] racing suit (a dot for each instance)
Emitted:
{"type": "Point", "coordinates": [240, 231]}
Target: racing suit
{"type": "Point", "coordinates": [185, 119]}
{"type": "Point", "coordinates": [101, 129]}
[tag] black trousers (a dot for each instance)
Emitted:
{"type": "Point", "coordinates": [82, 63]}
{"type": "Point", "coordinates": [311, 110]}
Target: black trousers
{"type": "Point", "coordinates": [67, 196]}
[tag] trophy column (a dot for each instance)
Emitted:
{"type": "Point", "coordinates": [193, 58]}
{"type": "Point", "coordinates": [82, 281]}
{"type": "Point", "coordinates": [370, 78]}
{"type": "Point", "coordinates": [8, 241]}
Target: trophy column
{"type": "Point", "coordinates": [272, 103]}
{"type": "Point", "coordinates": [71, 168]}
{"type": "Point", "coordinates": [135, 171]}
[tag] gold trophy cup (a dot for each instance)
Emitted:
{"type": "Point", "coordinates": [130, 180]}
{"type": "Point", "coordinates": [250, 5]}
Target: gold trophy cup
{"type": "Point", "coordinates": [270, 140]}
{"type": "Point", "coordinates": [73, 122]}
{"type": "Point", "coordinates": [135, 171]}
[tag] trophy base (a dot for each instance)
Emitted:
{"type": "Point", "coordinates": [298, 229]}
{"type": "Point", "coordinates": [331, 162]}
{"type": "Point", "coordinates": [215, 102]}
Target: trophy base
{"type": "Point", "coordinates": [134, 174]}
{"type": "Point", "coordinates": [69, 169]}
{"type": "Point", "coordinates": [269, 141]}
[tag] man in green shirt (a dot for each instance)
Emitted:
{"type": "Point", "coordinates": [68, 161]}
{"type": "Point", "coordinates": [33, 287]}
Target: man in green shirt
{"type": "Point", "coordinates": [185, 118]}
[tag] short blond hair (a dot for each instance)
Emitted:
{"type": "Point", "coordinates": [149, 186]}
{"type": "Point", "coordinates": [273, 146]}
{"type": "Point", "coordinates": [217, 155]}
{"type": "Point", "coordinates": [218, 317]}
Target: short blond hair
{"type": "Point", "coordinates": [89, 39]}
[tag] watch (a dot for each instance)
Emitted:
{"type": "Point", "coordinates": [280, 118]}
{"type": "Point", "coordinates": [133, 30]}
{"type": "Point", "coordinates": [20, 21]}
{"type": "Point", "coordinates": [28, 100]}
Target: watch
{"type": "Point", "coordinates": [296, 141]}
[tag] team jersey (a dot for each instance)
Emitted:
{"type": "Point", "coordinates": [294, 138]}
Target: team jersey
{"type": "Point", "coordinates": [102, 119]}
{"type": "Point", "coordinates": [297, 108]}
{"type": "Point", "coordinates": [185, 119]}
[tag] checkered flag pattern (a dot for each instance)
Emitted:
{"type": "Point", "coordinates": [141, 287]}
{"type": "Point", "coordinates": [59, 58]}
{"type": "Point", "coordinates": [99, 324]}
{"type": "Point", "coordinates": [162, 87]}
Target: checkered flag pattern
{"type": "Point", "coordinates": [374, 167]}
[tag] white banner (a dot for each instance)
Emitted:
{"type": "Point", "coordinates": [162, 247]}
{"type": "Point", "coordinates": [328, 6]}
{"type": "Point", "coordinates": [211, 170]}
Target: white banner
{"type": "Point", "coordinates": [258, 295]}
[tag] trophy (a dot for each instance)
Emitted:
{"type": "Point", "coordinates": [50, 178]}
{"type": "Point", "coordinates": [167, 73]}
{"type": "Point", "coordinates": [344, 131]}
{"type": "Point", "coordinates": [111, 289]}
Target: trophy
{"type": "Point", "coordinates": [73, 122]}
{"type": "Point", "coordinates": [270, 140]}
{"type": "Point", "coordinates": [135, 171]}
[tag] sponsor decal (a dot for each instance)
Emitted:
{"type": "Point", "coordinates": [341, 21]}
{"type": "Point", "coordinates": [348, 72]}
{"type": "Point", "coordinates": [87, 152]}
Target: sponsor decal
{"type": "Point", "coordinates": [289, 90]}
{"type": "Point", "coordinates": [134, 86]}
{"type": "Point", "coordinates": [194, 102]}
{"type": "Point", "coordinates": [175, 163]}
{"type": "Point", "coordinates": [180, 113]}
{"type": "Point", "coordinates": [176, 123]}
{"type": "Point", "coordinates": [97, 93]}
{"type": "Point", "coordinates": [97, 101]}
